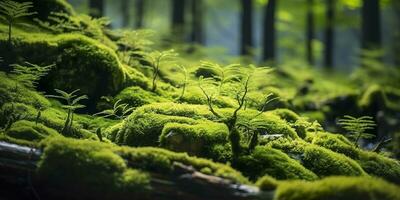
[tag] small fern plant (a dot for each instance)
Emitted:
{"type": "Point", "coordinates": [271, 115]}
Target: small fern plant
{"type": "Point", "coordinates": [156, 59]}
{"type": "Point", "coordinates": [119, 111]}
{"type": "Point", "coordinates": [357, 127]}
{"type": "Point", "coordinates": [71, 104]}
{"type": "Point", "coordinates": [12, 11]}
{"type": "Point", "coordinates": [29, 74]}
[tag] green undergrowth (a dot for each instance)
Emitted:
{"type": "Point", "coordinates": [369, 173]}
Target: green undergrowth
{"type": "Point", "coordinates": [336, 188]}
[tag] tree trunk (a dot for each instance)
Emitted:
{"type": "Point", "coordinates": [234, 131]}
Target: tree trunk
{"type": "Point", "coordinates": [396, 45]}
{"type": "Point", "coordinates": [96, 8]}
{"type": "Point", "coordinates": [371, 25]}
{"type": "Point", "coordinates": [178, 19]}
{"type": "Point", "coordinates": [246, 44]}
{"type": "Point", "coordinates": [329, 34]}
{"type": "Point", "coordinates": [125, 13]}
{"type": "Point", "coordinates": [269, 32]}
{"type": "Point", "coordinates": [139, 13]}
{"type": "Point", "coordinates": [310, 32]}
{"type": "Point", "coordinates": [197, 35]}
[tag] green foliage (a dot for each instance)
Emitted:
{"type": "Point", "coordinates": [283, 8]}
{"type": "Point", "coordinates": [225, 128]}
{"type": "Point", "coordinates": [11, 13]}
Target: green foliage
{"type": "Point", "coordinates": [135, 96]}
{"type": "Point", "coordinates": [29, 74]}
{"type": "Point", "coordinates": [11, 11]}
{"type": "Point", "coordinates": [268, 161]}
{"type": "Point", "coordinates": [157, 59]}
{"type": "Point", "coordinates": [344, 188]}
{"type": "Point", "coordinates": [118, 111]}
{"type": "Point", "coordinates": [71, 104]}
{"type": "Point", "coordinates": [185, 81]}
{"type": "Point", "coordinates": [356, 127]}
{"type": "Point", "coordinates": [8, 116]}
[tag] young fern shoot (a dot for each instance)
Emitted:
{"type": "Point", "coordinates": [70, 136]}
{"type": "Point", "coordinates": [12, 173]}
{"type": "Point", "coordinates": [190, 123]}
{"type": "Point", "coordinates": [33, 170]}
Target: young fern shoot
{"type": "Point", "coordinates": [71, 104]}
{"type": "Point", "coordinates": [157, 58]}
{"type": "Point", "coordinates": [11, 11]}
{"type": "Point", "coordinates": [357, 127]}
{"type": "Point", "coordinates": [119, 111]}
{"type": "Point", "coordinates": [29, 74]}
{"type": "Point", "coordinates": [184, 82]}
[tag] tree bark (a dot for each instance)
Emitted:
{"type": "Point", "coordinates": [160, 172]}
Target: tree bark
{"type": "Point", "coordinates": [269, 32]}
{"type": "Point", "coordinates": [178, 19]}
{"type": "Point", "coordinates": [125, 13]}
{"type": "Point", "coordinates": [96, 8]}
{"type": "Point", "coordinates": [329, 34]}
{"type": "Point", "coordinates": [197, 35]}
{"type": "Point", "coordinates": [139, 13]}
{"type": "Point", "coordinates": [371, 25]}
{"type": "Point", "coordinates": [246, 44]}
{"type": "Point", "coordinates": [396, 45]}
{"type": "Point", "coordinates": [310, 32]}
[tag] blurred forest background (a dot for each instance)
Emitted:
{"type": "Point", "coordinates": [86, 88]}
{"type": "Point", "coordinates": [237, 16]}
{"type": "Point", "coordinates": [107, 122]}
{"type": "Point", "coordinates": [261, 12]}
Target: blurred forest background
{"type": "Point", "coordinates": [334, 34]}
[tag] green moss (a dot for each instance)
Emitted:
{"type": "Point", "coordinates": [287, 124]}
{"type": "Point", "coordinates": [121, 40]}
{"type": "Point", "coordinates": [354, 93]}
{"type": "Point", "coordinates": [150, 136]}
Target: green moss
{"type": "Point", "coordinates": [197, 139]}
{"type": "Point", "coordinates": [343, 188]}
{"type": "Point", "coordinates": [113, 171]}
{"type": "Point", "coordinates": [319, 160]}
{"type": "Point", "coordinates": [378, 165]}
{"type": "Point", "coordinates": [267, 183]}
{"type": "Point", "coordinates": [26, 130]}
{"type": "Point", "coordinates": [81, 63]}
{"type": "Point", "coordinates": [335, 142]}
{"type": "Point", "coordinates": [136, 97]}
{"type": "Point", "coordinates": [285, 114]}
{"type": "Point", "coordinates": [268, 161]}
{"type": "Point", "coordinates": [89, 169]}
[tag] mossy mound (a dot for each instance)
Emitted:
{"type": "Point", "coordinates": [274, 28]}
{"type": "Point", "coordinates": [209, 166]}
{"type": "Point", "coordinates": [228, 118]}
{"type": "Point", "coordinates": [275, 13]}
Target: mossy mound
{"type": "Point", "coordinates": [144, 126]}
{"type": "Point", "coordinates": [80, 63]}
{"type": "Point", "coordinates": [268, 161]}
{"type": "Point", "coordinates": [30, 131]}
{"type": "Point", "coordinates": [323, 162]}
{"type": "Point", "coordinates": [267, 183]}
{"type": "Point", "coordinates": [343, 188]}
{"type": "Point", "coordinates": [94, 169]}
{"type": "Point", "coordinates": [136, 96]}
{"type": "Point", "coordinates": [286, 114]}
{"type": "Point", "coordinates": [89, 169]}
{"type": "Point", "coordinates": [197, 139]}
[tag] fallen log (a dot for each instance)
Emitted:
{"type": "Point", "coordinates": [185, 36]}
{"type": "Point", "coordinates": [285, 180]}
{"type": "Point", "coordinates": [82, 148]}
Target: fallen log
{"type": "Point", "coordinates": [18, 165]}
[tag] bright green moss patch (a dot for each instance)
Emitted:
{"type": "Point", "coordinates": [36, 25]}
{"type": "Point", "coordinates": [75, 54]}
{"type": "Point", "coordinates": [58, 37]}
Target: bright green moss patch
{"type": "Point", "coordinates": [268, 161]}
{"type": "Point", "coordinates": [267, 183]}
{"type": "Point", "coordinates": [343, 188]}
{"type": "Point", "coordinates": [89, 169]}
{"type": "Point", "coordinates": [285, 114]}
{"type": "Point", "coordinates": [335, 142]}
{"type": "Point", "coordinates": [136, 97]}
{"type": "Point", "coordinates": [378, 165]}
{"type": "Point", "coordinates": [197, 139]}
{"type": "Point", "coordinates": [26, 130]}
{"type": "Point", "coordinates": [81, 63]}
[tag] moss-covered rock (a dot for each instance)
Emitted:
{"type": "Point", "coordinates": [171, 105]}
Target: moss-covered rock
{"type": "Point", "coordinates": [268, 161]}
{"type": "Point", "coordinates": [81, 63]}
{"type": "Point", "coordinates": [285, 114]}
{"type": "Point", "coordinates": [197, 139]}
{"type": "Point", "coordinates": [30, 131]}
{"type": "Point", "coordinates": [136, 96]}
{"type": "Point", "coordinates": [267, 183]}
{"type": "Point", "coordinates": [335, 188]}
{"type": "Point", "coordinates": [93, 169]}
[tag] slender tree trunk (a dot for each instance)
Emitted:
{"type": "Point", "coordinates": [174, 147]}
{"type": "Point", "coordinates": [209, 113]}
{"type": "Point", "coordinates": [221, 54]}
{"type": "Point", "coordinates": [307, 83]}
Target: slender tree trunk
{"type": "Point", "coordinates": [139, 13]}
{"type": "Point", "coordinates": [396, 45]}
{"type": "Point", "coordinates": [96, 8]}
{"type": "Point", "coordinates": [125, 13]}
{"type": "Point", "coordinates": [310, 32]}
{"type": "Point", "coordinates": [269, 32]}
{"type": "Point", "coordinates": [197, 35]}
{"type": "Point", "coordinates": [329, 34]}
{"type": "Point", "coordinates": [178, 19]}
{"type": "Point", "coordinates": [246, 27]}
{"type": "Point", "coordinates": [371, 25]}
